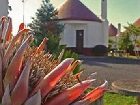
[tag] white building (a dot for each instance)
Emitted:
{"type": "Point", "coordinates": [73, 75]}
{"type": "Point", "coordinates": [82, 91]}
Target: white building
{"type": "Point", "coordinates": [137, 47]}
{"type": "Point", "coordinates": [3, 8]}
{"type": "Point", "coordinates": [113, 36]}
{"type": "Point", "coordinates": [83, 30]}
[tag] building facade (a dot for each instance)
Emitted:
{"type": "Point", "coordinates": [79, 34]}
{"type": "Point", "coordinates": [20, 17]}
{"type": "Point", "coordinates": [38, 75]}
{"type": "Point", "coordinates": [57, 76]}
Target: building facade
{"type": "Point", "coordinates": [83, 30]}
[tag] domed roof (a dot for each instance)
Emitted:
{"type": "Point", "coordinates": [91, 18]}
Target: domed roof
{"type": "Point", "coordinates": [137, 22]}
{"type": "Point", "coordinates": [76, 10]}
{"type": "Point", "coordinates": [112, 30]}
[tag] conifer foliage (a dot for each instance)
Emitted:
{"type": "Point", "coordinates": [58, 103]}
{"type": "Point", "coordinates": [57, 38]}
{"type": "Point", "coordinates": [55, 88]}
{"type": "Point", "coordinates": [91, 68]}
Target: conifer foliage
{"type": "Point", "coordinates": [45, 24]}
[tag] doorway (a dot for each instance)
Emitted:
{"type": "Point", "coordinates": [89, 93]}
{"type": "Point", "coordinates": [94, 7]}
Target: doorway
{"type": "Point", "coordinates": [79, 40]}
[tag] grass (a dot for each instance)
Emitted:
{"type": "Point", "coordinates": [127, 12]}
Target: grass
{"type": "Point", "coordinates": [133, 57]}
{"type": "Point", "coordinates": [117, 99]}
{"type": "Point", "coordinates": [129, 57]}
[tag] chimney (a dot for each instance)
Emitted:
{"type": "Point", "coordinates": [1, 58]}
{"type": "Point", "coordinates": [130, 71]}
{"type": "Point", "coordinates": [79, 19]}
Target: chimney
{"type": "Point", "coordinates": [119, 29]}
{"type": "Point", "coordinates": [104, 9]}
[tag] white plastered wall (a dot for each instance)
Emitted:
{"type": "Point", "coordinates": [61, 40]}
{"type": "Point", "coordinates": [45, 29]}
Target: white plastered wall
{"type": "Point", "coordinates": [105, 32]}
{"type": "Point", "coordinates": [93, 33]}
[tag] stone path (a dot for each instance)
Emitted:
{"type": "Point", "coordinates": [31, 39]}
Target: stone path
{"type": "Point", "coordinates": [111, 69]}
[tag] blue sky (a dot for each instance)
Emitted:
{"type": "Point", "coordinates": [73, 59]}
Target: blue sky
{"type": "Point", "coordinates": [119, 11]}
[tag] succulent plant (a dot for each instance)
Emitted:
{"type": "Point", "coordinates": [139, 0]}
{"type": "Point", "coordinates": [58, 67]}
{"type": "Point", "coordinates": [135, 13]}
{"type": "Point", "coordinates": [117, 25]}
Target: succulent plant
{"type": "Point", "coordinates": [29, 76]}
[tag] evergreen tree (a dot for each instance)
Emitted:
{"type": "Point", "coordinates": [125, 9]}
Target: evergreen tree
{"type": "Point", "coordinates": [45, 24]}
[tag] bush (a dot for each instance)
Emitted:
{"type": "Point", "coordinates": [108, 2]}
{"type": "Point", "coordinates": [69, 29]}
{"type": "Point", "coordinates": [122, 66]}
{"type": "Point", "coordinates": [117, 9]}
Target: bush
{"type": "Point", "coordinates": [100, 50]}
{"type": "Point", "coordinates": [70, 54]}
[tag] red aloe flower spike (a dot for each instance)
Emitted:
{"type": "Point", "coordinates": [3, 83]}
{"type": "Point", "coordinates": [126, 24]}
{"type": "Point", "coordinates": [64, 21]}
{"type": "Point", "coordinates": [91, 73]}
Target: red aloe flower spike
{"type": "Point", "coordinates": [42, 45]}
{"type": "Point", "coordinates": [51, 79]}
{"type": "Point", "coordinates": [2, 21]}
{"type": "Point", "coordinates": [34, 100]}
{"type": "Point", "coordinates": [78, 75]}
{"type": "Point", "coordinates": [69, 95]}
{"type": "Point", "coordinates": [3, 18]}
{"type": "Point", "coordinates": [61, 55]}
{"type": "Point", "coordinates": [1, 28]}
{"type": "Point", "coordinates": [6, 99]}
{"type": "Point", "coordinates": [4, 28]}
{"type": "Point", "coordinates": [8, 33]}
{"type": "Point", "coordinates": [96, 93]}
{"type": "Point", "coordinates": [21, 27]}
{"type": "Point", "coordinates": [1, 84]}
{"type": "Point", "coordinates": [29, 39]}
{"type": "Point", "coordinates": [10, 49]}
{"type": "Point", "coordinates": [20, 92]}
{"type": "Point", "coordinates": [81, 103]}
{"type": "Point", "coordinates": [104, 85]}
{"type": "Point", "coordinates": [92, 75]}
{"type": "Point", "coordinates": [14, 67]}
{"type": "Point", "coordinates": [74, 65]}
{"type": "Point", "coordinates": [2, 50]}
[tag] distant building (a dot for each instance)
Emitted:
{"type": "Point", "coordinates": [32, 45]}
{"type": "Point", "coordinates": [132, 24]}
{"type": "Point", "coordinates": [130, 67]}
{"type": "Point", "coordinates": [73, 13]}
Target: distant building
{"type": "Point", "coordinates": [137, 22]}
{"type": "Point", "coordinates": [3, 8]}
{"type": "Point", "coordinates": [113, 32]}
{"type": "Point", "coordinates": [83, 30]}
{"type": "Point", "coordinates": [137, 47]}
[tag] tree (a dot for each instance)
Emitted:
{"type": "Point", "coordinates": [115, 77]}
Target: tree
{"type": "Point", "coordinates": [134, 33]}
{"type": "Point", "coordinates": [129, 38]}
{"type": "Point", "coordinates": [111, 44]}
{"type": "Point", "coordinates": [45, 24]}
{"type": "Point", "coordinates": [125, 42]}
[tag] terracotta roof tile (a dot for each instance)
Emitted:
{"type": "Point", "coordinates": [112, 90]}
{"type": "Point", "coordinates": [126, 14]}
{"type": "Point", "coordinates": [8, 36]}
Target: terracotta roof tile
{"type": "Point", "coordinates": [112, 30]}
{"type": "Point", "coordinates": [76, 10]}
{"type": "Point", "coordinates": [137, 22]}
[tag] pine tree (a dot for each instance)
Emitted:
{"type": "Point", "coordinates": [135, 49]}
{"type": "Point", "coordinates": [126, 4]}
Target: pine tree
{"type": "Point", "coordinates": [45, 24]}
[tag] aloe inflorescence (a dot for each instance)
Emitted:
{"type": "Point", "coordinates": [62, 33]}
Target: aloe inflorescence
{"type": "Point", "coordinates": [30, 76]}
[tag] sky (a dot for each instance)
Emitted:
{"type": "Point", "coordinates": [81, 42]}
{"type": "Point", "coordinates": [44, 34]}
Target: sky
{"type": "Point", "coordinates": [119, 11]}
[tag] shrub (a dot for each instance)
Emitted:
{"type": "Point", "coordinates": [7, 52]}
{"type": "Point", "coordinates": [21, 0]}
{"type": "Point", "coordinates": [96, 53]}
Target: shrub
{"type": "Point", "coordinates": [100, 50]}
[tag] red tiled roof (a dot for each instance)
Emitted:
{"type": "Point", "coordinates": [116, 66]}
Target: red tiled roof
{"type": "Point", "coordinates": [76, 10]}
{"type": "Point", "coordinates": [112, 30]}
{"type": "Point", "coordinates": [137, 22]}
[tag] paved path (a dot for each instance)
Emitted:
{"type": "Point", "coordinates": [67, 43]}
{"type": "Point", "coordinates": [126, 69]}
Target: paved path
{"type": "Point", "coordinates": [111, 69]}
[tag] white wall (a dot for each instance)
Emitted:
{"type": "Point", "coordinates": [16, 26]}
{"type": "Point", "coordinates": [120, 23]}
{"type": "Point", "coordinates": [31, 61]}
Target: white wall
{"type": "Point", "coordinates": [105, 31]}
{"type": "Point", "coordinates": [138, 39]}
{"type": "Point", "coordinates": [68, 36]}
{"type": "Point", "coordinates": [3, 8]}
{"type": "Point", "coordinates": [93, 33]}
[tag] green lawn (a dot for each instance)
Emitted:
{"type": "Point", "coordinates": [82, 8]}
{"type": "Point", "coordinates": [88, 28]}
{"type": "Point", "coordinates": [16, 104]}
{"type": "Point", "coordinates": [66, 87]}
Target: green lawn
{"type": "Point", "coordinates": [130, 56]}
{"type": "Point", "coordinates": [117, 99]}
